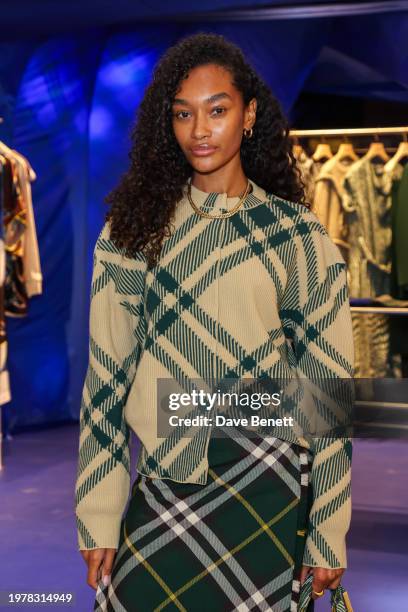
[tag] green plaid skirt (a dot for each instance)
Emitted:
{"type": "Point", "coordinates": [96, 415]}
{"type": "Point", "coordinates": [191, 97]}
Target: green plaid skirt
{"type": "Point", "coordinates": [235, 543]}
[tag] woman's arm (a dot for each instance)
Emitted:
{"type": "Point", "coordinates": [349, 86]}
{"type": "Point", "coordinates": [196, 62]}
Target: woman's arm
{"type": "Point", "coordinates": [315, 315]}
{"type": "Point", "coordinates": [116, 331]}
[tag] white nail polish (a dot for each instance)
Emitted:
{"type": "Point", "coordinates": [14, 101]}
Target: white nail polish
{"type": "Point", "coordinates": [106, 580]}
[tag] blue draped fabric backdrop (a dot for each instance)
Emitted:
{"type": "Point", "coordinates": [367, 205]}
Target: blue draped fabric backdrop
{"type": "Point", "coordinates": [68, 105]}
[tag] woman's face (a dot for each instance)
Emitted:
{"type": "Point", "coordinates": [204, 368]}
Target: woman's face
{"type": "Point", "coordinates": [209, 117]}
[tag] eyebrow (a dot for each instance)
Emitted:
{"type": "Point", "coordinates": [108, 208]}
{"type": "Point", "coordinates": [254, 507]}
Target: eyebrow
{"type": "Point", "coordinates": [209, 100]}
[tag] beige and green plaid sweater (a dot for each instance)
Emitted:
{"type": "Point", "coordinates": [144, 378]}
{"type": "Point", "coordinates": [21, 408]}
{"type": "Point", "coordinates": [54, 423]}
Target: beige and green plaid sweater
{"type": "Point", "coordinates": [260, 293]}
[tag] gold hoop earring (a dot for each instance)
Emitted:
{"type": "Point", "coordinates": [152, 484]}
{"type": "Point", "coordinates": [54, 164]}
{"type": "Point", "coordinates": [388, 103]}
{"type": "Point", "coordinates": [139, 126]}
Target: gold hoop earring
{"type": "Point", "coordinates": [248, 133]}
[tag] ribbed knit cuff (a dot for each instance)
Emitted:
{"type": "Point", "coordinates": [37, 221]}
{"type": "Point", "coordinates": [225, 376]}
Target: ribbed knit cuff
{"type": "Point", "coordinates": [98, 531]}
{"type": "Point", "coordinates": [333, 553]}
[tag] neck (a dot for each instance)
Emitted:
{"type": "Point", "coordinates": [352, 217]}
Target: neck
{"type": "Point", "coordinates": [233, 183]}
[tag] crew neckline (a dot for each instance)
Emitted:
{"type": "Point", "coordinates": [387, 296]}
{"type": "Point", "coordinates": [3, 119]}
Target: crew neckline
{"type": "Point", "coordinates": [219, 202]}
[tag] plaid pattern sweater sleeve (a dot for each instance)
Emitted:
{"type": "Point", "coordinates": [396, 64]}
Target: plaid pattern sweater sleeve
{"type": "Point", "coordinates": [190, 314]}
{"type": "Point", "coordinates": [115, 340]}
{"type": "Point", "coordinates": [316, 317]}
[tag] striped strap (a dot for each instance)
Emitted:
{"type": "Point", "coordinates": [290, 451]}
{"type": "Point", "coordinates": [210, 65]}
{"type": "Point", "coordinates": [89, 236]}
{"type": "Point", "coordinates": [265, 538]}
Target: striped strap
{"type": "Point", "coordinates": [339, 599]}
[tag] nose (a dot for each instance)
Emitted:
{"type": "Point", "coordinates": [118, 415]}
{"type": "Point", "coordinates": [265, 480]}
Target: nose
{"type": "Point", "coordinates": [201, 127]}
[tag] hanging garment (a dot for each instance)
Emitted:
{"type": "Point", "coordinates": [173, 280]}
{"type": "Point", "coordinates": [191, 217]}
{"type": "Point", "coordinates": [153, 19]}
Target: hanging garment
{"type": "Point", "coordinates": [399, 267]}
{"type": "Point", "coordinates": [367, 210]}
{"type": "Point", "coordinates": [5, 395]}
{"type": "Point", "coordinates": [20, 273]}
{"type": "Point", "coordinates": [307, 169]}
{"type": "Point", "coordinates": [26, 272]}
{"type": "Point", "coordinates": [14, 217]}
{"type": "Point", "coordinates": [31, 255]}
{"type": "Point", "coordinates": [327, 203]}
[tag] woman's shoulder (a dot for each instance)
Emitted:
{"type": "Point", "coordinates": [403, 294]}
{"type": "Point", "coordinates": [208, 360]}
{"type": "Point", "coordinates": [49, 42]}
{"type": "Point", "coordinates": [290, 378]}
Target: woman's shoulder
{"type": "Point", "coordinates": [104, 241]}
{"type": "Point", "coordinates": [105, 246]}
{"type": "Point", "coordinates": [303, 226]}
{"type": "Point", "coordinates": [292, 209]}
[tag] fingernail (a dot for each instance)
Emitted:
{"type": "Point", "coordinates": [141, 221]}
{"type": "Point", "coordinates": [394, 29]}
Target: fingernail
{"type": "Point", "coordinates": [106, 580]}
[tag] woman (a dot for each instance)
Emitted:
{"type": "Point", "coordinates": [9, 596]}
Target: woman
{"type": "Point", "coordinates": [210, 266]}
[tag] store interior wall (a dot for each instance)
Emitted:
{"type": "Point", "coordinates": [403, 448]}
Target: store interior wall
{"type": "Point", "coordinates": [68, 102]}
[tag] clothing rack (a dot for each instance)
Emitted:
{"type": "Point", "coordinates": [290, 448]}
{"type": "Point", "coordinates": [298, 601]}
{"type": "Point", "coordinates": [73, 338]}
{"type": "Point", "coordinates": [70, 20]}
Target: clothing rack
{"type": "Point", "coordinates": [372, 131]}
{"type": "Point", "coordinates": [20, 201]}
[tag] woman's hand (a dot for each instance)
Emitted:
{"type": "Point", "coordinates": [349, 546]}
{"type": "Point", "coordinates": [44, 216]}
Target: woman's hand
{"type": "Point", "coordinates": [323, 578]}
{"type": "Point", "coordinates": [99, 562]}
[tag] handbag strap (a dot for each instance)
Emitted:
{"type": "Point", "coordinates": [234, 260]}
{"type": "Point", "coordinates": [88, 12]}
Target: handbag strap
{"type": "Point", "coordinates": [339, 599]}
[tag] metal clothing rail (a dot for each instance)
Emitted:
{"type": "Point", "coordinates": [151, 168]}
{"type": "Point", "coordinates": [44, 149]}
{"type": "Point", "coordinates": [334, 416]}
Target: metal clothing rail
{"type": "Point", "coordinates": [349, 132]}
{"type": "Point", "coordinates": [389, 310]}
{"type": "Point", "coordinates": [381, 404]}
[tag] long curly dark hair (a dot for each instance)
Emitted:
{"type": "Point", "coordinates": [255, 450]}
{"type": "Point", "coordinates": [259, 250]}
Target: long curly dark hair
{"type": "Point", "coordinates": [145, 199]}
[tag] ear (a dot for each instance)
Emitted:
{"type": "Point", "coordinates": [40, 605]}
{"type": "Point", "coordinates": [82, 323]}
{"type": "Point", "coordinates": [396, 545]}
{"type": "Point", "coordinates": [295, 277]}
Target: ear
{"type": "Point", "coordinates": [250, 114]}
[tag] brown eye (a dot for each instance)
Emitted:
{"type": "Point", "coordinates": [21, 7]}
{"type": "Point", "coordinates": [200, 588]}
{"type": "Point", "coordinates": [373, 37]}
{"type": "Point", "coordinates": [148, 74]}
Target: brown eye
{"type": "Point", "coordinates": [177, 114]}
{"type": "Point", "coordinates": [219, 108]}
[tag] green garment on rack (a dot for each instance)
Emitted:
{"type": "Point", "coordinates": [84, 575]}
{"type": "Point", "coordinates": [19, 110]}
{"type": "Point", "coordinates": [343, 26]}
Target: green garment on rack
{"type": "Point", "coordinates": [399, 212]}
{"type": "Point", "coordinates": [366, 204]}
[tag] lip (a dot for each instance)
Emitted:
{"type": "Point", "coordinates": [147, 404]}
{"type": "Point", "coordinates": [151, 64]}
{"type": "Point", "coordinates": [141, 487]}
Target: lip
{"type": "Point", "coordinates": [201, 151]}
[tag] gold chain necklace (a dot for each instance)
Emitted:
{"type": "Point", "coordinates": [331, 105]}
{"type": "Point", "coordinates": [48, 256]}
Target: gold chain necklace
{"type": "Point", "coordinates": [202, 213]}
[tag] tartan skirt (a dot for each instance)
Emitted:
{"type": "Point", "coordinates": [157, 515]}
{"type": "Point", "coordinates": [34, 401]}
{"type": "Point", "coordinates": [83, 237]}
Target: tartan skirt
{"type": "Point", "coordinates": [235, 543]}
